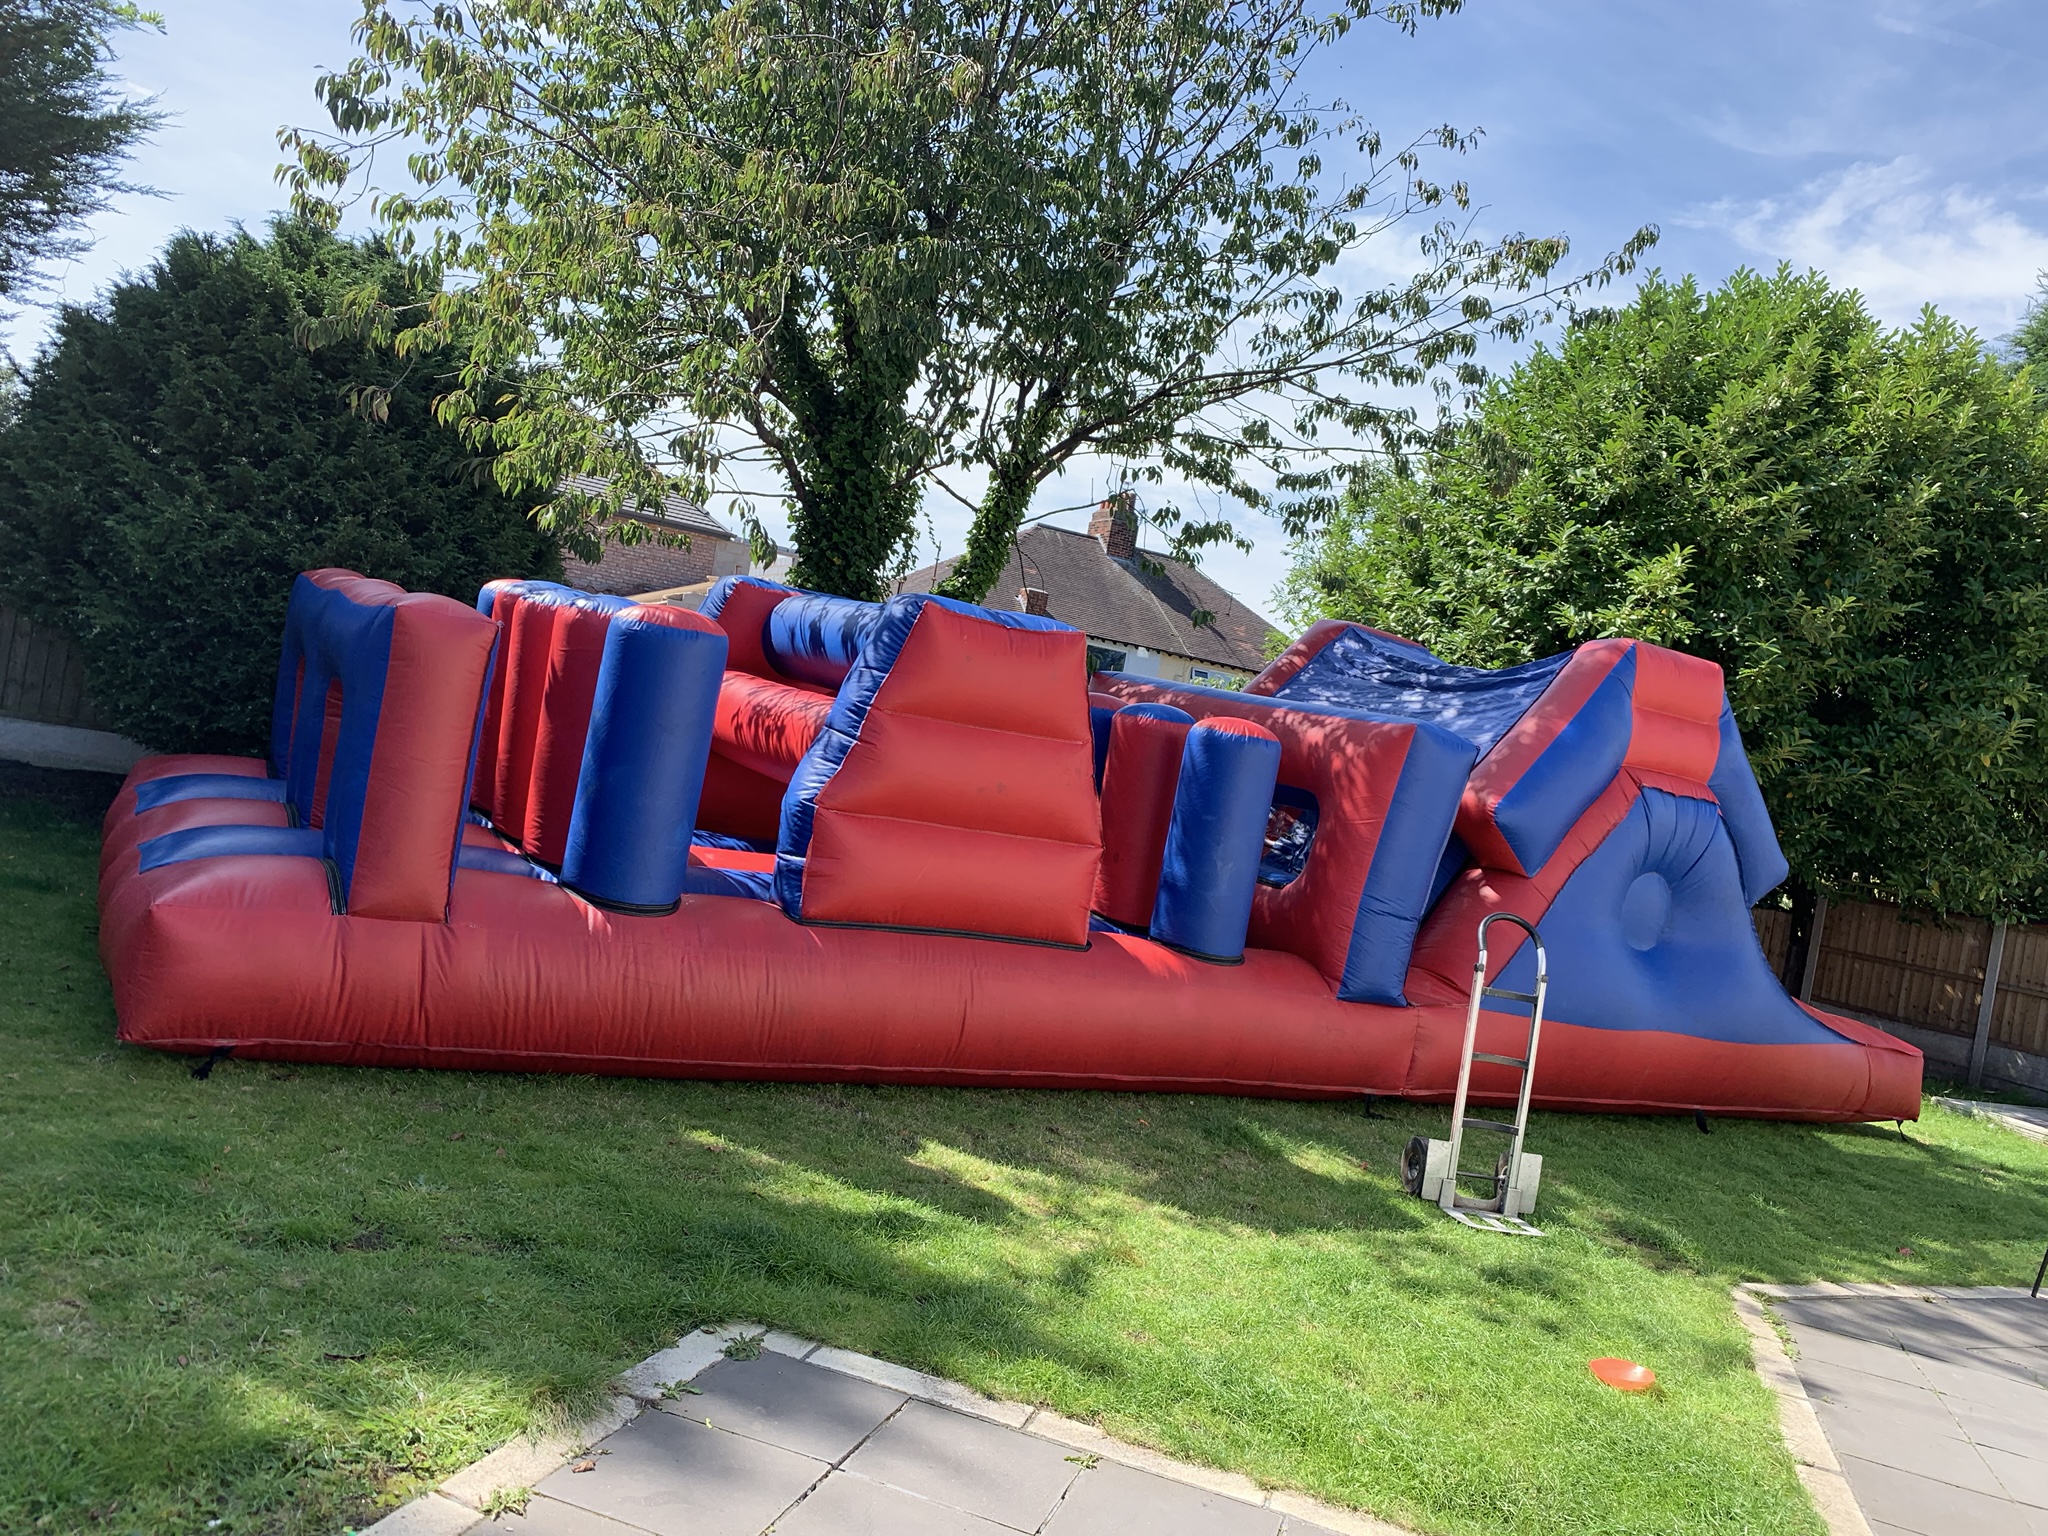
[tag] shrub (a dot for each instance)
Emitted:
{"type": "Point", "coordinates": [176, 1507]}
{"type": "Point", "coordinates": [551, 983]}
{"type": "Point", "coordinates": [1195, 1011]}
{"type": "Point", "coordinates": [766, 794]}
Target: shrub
{"type": "Point", "coordinates": [1848, 519]}
{"type": "Point", "coordinates": [179, 453]}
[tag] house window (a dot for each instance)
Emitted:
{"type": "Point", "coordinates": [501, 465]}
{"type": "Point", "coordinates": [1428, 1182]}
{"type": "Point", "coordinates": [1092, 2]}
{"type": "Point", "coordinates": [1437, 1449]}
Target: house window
{"type": "Point", "coordinates": [1102, 659]}
{"type": "Point", "coordinates": [1208, 677]}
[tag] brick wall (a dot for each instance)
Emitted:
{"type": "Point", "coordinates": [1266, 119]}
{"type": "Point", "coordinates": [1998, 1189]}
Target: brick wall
{"type": "Point", "coordinates": [652, 567]}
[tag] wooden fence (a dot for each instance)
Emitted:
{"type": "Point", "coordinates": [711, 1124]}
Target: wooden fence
{"type": "Point", "coordinates": [1926, 971]}
{"type": "Point", "coordinates": [41, 675]}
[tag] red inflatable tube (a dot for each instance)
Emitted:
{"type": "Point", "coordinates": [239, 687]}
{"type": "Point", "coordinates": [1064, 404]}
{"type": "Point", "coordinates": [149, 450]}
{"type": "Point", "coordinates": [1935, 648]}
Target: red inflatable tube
{"type": "Point", "coordinates": [743, 617]}
{"type": "Point", "coordinates": [564, 723]}
{"type": "Point", "coordinates": [1138, 780]}
{"type": "Point", "coordinates": [764, 726]}
{"type": "Point", "coordinates": [526, 653]}
{"type": "Point", "coordinates": [245, 952]}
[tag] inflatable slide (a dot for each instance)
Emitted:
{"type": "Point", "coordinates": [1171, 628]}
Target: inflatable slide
{"type": "Point", "coordinates": [799, 837]}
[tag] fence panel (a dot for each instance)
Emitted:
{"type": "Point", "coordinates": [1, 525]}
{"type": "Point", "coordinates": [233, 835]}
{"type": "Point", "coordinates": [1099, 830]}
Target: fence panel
{"type": "Point", "coordinates": [1897, 965]}
{"type": "Point", "coordinates": [1774, 932]}
{"type": "Point", "coordinates": [42, 676]}
{"type": "Point", "coordinates": [2019, 1017]}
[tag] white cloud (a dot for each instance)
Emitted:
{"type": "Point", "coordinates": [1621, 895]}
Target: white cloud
{"type": "Point", "coordinates": [1889, 231]}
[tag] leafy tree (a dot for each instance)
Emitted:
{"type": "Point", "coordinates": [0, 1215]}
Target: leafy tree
{"type": "Point", "coordinates": [65, 126]}
{"type": "Point", "coordinates": [2029, 344]}
{"type": "Point", "coordinates": [179, 454]}
{"type": "Point", "coordinates": [871, 245]}
{"type": "Point", "coordinates": [1849, 520]}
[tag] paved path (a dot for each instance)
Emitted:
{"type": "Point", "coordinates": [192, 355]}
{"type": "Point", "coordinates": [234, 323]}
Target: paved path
{"type": "Point", "coordinates": [1936, 1406]}
{"type": "Point", "coordinates": [783, 1444]}
{"type": "Point", "coordinates": [805, 1440]}
{"type": "Point", "coordinates": [2029, 1120]}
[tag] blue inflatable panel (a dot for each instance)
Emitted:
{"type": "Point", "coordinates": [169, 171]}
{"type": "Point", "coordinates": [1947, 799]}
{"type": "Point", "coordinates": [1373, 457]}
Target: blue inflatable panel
{"type": "Point", "coordinates": [347, 643]}
{"type": "Point", "coordinates": [1652, 932]}
{"type": "Point", "coordinates": [816, 639]}
{"type": "Point", "coordinates": [1555, 790]}
{"type": "Point", "coordinates": [1400, 885]}
{"type": "Point", "coordinates": [214, 842]}
{"type": "Point", "coordinates": [152, 793]}
{"type": "Point", "coordinates": [1455, 857]}
{"type": "Point", "coordinates": [1099, 716]}
{"type": "Point", "coordinates": [1214, 839]}
{"type": "Point", "coordinates": [1399, 680]}
{"type": "Point", "coordinates": [1734, 784]}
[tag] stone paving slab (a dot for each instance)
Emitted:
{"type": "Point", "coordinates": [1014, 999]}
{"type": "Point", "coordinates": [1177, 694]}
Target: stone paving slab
{"type": "Point", "coordinates": [739, 1431]}
{"type": "Point", "coordinates": [1934, 1402]}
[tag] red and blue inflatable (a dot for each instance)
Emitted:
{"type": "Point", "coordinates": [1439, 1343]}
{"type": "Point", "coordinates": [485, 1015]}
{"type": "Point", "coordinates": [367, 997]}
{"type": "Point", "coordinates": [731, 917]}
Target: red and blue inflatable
{"type": "Point", "coordinates": [799, 837]}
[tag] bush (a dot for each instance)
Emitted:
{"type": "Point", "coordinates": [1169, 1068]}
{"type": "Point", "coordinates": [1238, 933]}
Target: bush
{"type": "Point", "coordinates": [1847, 519]}
{"type": "Point", "coordinates": [179, 453]}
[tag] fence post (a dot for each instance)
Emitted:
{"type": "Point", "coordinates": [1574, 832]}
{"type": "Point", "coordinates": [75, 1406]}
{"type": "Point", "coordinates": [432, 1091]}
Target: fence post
{"type": "Point", "coordinates": [1815, 936]}
{"type": "Point", "coordinates": [1980, 1047]}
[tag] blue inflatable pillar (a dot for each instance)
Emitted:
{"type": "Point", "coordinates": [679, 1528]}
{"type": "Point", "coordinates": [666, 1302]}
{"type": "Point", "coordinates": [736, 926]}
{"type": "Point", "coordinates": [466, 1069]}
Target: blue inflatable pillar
{"type": "Point", "coordinates": [1213, 844]}
{"type": "Point", "coordinates": [644, 759]}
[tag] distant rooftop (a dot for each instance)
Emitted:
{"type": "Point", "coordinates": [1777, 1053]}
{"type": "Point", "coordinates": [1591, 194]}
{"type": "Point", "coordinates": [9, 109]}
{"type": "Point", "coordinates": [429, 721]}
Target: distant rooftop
{"type": "Point", "coordinates": [1139, 599]}
{"type": "Point", "coordinates": [676, 514]}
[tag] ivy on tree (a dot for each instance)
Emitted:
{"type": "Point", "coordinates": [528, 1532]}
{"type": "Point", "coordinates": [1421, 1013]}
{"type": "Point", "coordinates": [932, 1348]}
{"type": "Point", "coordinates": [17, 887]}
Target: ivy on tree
{"type": "Point", "coordinates": [65, 127]}
{"type": "Point", "coordinates": [179, 455]}
{"type": "Point", "coordinates": [1848, 519]}
{"type": "Point", "coordinates": [880, 249]}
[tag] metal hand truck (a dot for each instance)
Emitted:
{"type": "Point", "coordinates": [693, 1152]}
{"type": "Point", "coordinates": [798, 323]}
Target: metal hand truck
{"type": "Point", "coordinates": [1431, 1168]}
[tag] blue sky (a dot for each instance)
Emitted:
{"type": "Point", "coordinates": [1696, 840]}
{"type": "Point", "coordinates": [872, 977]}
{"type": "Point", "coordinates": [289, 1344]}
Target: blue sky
{"type": "Point", "coordinates": [1901, 146]}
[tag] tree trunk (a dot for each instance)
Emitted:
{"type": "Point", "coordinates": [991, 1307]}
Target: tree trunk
{"type": "Point", "coordinates": [994, 534]}
{"type": "Point", "coordinates": [855, 507]}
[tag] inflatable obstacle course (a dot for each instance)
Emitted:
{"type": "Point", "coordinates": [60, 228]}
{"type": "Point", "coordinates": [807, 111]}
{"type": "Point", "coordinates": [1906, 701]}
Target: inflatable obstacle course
{"type": "Point", "coordinates": [794, 836]}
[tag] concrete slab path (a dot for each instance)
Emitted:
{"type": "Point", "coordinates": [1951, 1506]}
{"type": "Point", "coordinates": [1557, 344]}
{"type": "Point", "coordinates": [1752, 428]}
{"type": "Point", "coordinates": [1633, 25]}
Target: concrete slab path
{"type": "Point", "coordinates": [793, 1438]}
{"type": "Point", "coordinates": [1935, 1403]}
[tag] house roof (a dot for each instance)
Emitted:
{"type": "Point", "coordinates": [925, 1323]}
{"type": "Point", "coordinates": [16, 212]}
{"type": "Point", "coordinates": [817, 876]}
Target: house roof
{"type": "Point", "coordinates": [676, 513]}
{"type": "Point", "coordinates": [1151, 602]}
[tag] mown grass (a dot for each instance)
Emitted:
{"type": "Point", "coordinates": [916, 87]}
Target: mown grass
{"type": "Point", "coordinates": [282, 1299]}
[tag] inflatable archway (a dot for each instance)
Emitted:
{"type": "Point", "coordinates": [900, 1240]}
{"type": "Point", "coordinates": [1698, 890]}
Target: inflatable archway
{"type": "Point", "coordinates": [798, 837]}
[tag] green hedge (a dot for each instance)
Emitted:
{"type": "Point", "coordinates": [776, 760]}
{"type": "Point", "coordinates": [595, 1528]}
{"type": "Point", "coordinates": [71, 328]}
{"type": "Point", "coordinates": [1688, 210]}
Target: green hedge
{"type": "Point", "coordinates": [1851, 520]}
{"type": "Point", "coordinates": [180, 452]}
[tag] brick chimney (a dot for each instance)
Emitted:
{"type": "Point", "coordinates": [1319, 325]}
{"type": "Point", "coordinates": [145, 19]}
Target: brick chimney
{"type": "Point", "coordinates": [1116, 524]}
{"type": "Point", "coordinates": [1036, 600]}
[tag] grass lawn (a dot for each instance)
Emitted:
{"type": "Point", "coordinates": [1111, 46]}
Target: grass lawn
{"type": "Point", "coordinates": [284, 1299]}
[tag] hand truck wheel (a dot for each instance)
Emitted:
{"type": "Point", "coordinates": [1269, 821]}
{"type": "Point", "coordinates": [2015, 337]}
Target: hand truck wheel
{"type": "Point", "coordinates": [1414, 1160]}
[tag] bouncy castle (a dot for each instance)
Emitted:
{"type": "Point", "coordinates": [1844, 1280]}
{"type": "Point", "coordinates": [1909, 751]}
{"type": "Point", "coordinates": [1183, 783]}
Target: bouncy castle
{"type": "Point", "coordinates": [792, 836]}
